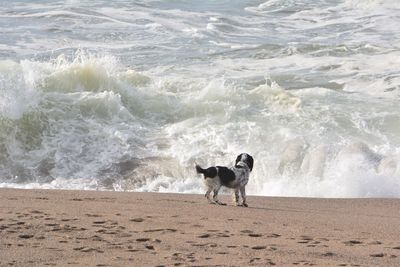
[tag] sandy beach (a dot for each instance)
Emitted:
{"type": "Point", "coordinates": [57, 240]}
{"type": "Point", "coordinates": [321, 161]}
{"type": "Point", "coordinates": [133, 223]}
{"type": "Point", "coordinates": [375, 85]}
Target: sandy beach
{"type": "Point", "coordinates": [89, 228]}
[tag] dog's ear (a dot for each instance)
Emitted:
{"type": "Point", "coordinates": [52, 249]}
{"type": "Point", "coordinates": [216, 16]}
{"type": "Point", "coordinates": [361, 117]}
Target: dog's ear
{"type": "Point", "coordinates": [250, 162]}
{"type": "Point", "coordinates": [238, 158]}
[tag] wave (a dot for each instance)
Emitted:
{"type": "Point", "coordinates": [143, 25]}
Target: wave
{"type": "Point", "coordinates": [88, 122]}
{"type": "Point", "coordinates": [289, 7]}
{"type": "Point", "coordinates": [372, 4]}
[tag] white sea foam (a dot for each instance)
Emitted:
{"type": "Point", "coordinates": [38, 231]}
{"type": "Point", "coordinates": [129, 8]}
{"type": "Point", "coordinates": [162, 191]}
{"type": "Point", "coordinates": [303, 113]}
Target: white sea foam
{"type": "Point", "coordinates": [372, 4]}
{"type": "Point", "coordinates": [129, 96]}
{"type": "Point", "coordinates": [91, 116]}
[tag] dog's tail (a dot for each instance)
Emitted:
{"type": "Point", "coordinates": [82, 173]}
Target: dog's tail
{"type": "Point", "coordinates": [208, 173]}
{"type": "Point", "coordinates": [199, 169]}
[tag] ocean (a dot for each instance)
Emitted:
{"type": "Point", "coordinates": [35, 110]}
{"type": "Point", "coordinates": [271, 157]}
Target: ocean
{"type": "Point", "coordinates": [130, 95]}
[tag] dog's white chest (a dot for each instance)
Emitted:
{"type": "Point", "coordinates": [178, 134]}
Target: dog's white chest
{"type": "Point", "coordinates": [242, 177]}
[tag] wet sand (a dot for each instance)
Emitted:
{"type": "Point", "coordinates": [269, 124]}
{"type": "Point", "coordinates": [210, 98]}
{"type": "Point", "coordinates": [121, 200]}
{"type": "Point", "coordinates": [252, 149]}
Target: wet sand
{"type": "Point", "coordinates": [91, 228]}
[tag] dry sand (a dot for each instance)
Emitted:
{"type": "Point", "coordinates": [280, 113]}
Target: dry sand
{"type": "Point", "coordinates": [87, 228]}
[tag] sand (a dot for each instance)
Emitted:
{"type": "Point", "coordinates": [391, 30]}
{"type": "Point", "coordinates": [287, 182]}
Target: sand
{"type": "Point", "coordinates": [90, 228]}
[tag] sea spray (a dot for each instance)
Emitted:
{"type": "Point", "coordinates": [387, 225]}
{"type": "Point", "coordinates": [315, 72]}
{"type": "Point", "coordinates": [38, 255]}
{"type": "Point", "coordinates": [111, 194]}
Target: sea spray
{"type": "Point", "coordinates": [129, 96]}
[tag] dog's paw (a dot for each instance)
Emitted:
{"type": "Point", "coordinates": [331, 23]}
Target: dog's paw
{"type": "Point", "coordinates": [220, 203]}
{"type": "Point", "coordinates": [245, 205]}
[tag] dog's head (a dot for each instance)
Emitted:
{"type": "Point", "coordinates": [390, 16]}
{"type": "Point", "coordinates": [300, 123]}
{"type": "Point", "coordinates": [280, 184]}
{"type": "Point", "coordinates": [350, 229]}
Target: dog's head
{"type": "Point", "coordinates": [246, 159]}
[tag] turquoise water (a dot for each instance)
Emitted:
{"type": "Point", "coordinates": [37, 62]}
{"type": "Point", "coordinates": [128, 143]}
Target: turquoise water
{"type": "Point", "coordinates": [122, 95]}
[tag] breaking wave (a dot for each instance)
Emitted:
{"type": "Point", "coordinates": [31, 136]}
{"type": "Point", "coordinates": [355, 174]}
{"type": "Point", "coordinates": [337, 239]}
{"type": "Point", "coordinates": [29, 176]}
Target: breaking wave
{"type": "Point", "coordinates": [88, 122]}
{"type": "Point", "coordinates": [128, 95]}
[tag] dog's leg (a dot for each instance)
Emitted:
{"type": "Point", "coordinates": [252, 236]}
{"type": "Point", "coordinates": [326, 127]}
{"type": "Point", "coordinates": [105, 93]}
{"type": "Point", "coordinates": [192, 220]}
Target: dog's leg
{"type": "Point", "coordinates": [207, 195]}
{"type": "Point", "coordinates": [243, 193]}
{"type": "Point", "coordinates": [236, 196]}
{"type": "Point", "coordinates": [215, 197]}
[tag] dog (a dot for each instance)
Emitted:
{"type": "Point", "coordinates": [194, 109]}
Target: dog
{"type": "Point", "coordinates": [235, 177]}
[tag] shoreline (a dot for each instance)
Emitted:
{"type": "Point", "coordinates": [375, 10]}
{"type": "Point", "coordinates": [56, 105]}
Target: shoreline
{"type": "Point", "coordinates": [108, 228]}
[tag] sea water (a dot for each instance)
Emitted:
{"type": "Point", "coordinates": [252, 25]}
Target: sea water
{"type": "Point", "coordinates": [129, 95]}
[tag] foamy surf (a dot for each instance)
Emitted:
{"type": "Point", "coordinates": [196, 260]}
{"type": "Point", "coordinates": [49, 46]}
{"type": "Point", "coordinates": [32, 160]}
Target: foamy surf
{"type": "Point", "coordinates": [132, 100]}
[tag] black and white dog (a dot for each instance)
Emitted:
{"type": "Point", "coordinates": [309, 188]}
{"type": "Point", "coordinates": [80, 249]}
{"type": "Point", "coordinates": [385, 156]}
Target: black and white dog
{"type": "Point", "coordinates": [235, 177]}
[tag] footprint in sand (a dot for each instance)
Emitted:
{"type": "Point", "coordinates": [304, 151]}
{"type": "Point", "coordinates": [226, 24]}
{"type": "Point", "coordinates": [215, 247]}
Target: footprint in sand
{"type": "Point", "coordinates": [190, 255]}
{"type": "Point", "coordinates": [88, 249]}
{"type": "Point", "coordinates": [99, 222]}
{"type": "Point", "coordinates": [378, 255]}
{"type": "Point", "coordinates": [204, 236]}
{"type": "Point", "coordinates": [305, 237]}
{"type": "Point", "coordinates": [306, 240]}
{"type": "Point", "coordinates": [160, 230]}
{"type": "Point", "coordinates": [25, 236]}
{"type": "Point", "coordinates": [222, 235]}
{"type": "Point", "coordinates": [108, 232]}
{"type": "Point", "coordinates": [150, 247]}
{"type": "Point", "coordinates": [375, 243]}
{"type": "Point", "coordinates": [255, 235]}
{"type": "Point", "coordinates": [254, 259]}
{"type": "Point", "coordinates": [328, 254]}
{"type": "Point", "coordinates": [132, 250]}
{"type": "Point", "coordinates": [303, 262]}
{"type": "Point", "coordinates": [273, 235]}
{"type": "Point", "coordinates": [97, 238]}
{"type": "Point", "coordinates": [259, 247]}
{"type": "Point", "coordinates": [352, 242]}
{"type": "Point", "coordinates": [136, 220]}
{"type": "Point", "coordinates": [200, 245]}
{"type": "Point", "coordinates": [177, 257]}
